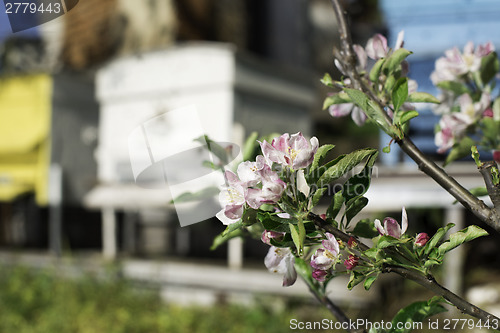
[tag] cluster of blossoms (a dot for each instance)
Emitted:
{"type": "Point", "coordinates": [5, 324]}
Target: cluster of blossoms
{"type": "Point", "coordinates": [465, 100]}
{"type": "Point", "coordinates": [376, 48]}
{"type": "Point", "coordinates": [256, 183]}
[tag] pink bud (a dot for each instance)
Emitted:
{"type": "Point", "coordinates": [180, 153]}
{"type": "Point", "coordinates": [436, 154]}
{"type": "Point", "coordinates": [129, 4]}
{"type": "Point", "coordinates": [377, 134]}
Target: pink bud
{"type": "Point", "coordinates": [496, 156]}
{"type": "Point", "coordinates": [488, 113]}
{"type": "Point", "coordinates": [323, 216]}
{"type": "Point", "coordinates": [352, 242]}
{"type": "Point", "coordinates": [351, 262]}
{"type": "Point", "coordinates": [320, 275]}
{"type": "Point", "coordinates": [422, 239]}
{"type": "Point", "coordinates": [268, 235]}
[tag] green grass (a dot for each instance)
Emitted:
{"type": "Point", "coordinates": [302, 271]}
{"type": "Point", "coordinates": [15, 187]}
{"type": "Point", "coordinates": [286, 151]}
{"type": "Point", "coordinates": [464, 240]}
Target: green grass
{"type": "Point", "coordinates": [42, 301]}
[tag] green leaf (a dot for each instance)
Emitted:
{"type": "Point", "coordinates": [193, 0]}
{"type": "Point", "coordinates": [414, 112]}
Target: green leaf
{"type": "Point", "coordinates": [491, 129]}
{"type": "Point", "coordinates": [376, 69]}
{"type": "Point", "coordinates": [318, 195]}
{"type": "Point", "coordinates": [369, 281]}
{"type": "Point", "coordinates": [298, 233]}
{"type": "Point", "coordinates": [232, 227]}
{"type": "Point", "coordinates": [406, 116]}
{"type": "Point", "coordinates": [387, 149]}
{"type": "Point", "coordinates": [394, 60]}
{"type": "Point", "coordinates": [496, 109]}
{"type": "Point", "coordinates": [489, 67]}
{"type": "Point", "coordinates": [399, 93]}
{"type": "Point", "coordinates": [304, 270]}
{"type": "Point", "coordinates": [207, 192]}
{"type": "Point", "coordinates": [371, 108]}
{"type": "Point", "coordinates": [319, 157]}
{"type": "Point", "coordinates": [250, 146]}
{"type": "Point", "coordinates": [387, 241]}
{"type": "Point", "coordinates": [480, 191]}
{"type": "Point", "coordinates": [460, 150]}
{"type": "Point", "coordinates": [339, 98]}
{"type": "Point", "coordinates": [216, 149]}
{"type": "Point", "coordinates": [416, 312]}
{"type": "Point", "coordinates": [453, 86]}
{"type": "Point", "coordinates": [422, 97]}
{"type": "Point", "coordinates": [327, 80]}
{"type": "Point", "coordinates": [466, 235]}
{"type": "Point", "coordinates": [354, 208]}
{"type": "Point", "coordinates": [355, 279]}
{"type": "Point", "coordinates": [335, 205]}
{"type": "Point", "coordinates": [365, 228]}
{"type": "Point", "coordinates": [438, 236]}
{"type": "Point", "coordinates": [348, 162]}
{"type": "Point", "coordinates": [249, 217]}
{"type": "Point", "coordinates": [273, 224]}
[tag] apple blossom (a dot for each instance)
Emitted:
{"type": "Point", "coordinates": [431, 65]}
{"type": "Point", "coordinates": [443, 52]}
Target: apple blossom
{"type": "Point", "coordinates": [319, 275]}
{"type": "Point", "coordinates": [391, 226]}
{"type": "Point", "coordinates": [232, 199]}
{"type": "Point", "coordinates": [281, 261]}
{"type": "Point", "coordinates": [267, 235]}
{"type": "Point", "coordinates": [325, 257]}
{"type": "Point", "coordinates": [250, 172]}
{"type": "Point", "coordinates": [293, 151]}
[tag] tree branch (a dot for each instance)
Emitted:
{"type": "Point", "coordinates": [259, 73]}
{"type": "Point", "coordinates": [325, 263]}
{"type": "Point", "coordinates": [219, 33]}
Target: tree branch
{"type": "Point", "coordinates": [426, 165]}
{"type": "Point", "coordinates": [426, 281]}
{"type": "Point", "coordinates": [334, 309]}
{"type": "Point", "coordinates": [486, 170]}
{"type": "Point", "coordinates": [430, 283]}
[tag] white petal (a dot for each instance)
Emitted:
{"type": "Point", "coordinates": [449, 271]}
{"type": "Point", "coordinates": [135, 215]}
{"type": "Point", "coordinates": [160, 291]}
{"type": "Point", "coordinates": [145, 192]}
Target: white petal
{"type": "Point", "coordinates": [404, 221]}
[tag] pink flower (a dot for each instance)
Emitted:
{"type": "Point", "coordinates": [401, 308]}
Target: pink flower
{"type": "Point", "coordinates": [325, 257]}
{"type": "Point", "coordinates": [271, 191]}
{"type": "Point", "coordinates": [268, 235]}
{"type": "Point", "coordinates": [488, 113]}
{"type": "Point", "coordinates": [391, 226]}
{"type": "Point", "coordinates": [452, 126]}
{"type": "Point", "coordinates": [376, 47]}
{"type": "Point", "coordinates": [250, 172]}
{"type": "Point", "coordinates": [351, 262]}
{"type": "Point", "coordinates": [340, 110]}
{"type": "Point", "coordinates": [421, 239]}
{"type": "Point", "coordinates": [295, 151]}
{"type": "Point", "coordinates": [319, 275]}
{"type": "Point", "coordinates": [281, 261]}
{"type": "Point", "coordinates": [232, 199]}
{"type": "Point", "coordinates": [455, 64]}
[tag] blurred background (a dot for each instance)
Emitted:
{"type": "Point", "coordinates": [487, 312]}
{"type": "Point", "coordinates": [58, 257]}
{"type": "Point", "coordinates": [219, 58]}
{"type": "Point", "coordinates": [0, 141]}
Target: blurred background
{"type": "Point", "coordinates": [77, 232]}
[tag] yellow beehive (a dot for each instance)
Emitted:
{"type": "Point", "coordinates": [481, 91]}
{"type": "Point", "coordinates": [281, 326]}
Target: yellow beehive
{"type": "Point", "coordinates": [25, 111]}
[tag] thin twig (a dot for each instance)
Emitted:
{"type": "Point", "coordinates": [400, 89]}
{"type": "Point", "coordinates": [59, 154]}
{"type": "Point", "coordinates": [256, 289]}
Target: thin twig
{"type": "Point", "coordinates": [334, 309]}
{"type": "Point", "coordinates": [426, 281]}
{"type": "Point", "coordinates": [426, 165]}
{"type": "Point", "coordinates": [486, 170]}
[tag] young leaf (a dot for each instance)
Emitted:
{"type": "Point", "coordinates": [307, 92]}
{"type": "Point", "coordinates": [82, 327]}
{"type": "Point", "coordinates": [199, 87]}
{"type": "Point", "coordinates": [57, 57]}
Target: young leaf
{"type": "Point", "coordinates": [376, 69]}
{"type": "Point", "coordinates": [232, 227]}
{"type": "Point", "coordinates": [387, 241]}
{"type": "Point", "coordinates": [319, 158]}
{"type": "Point", "coordinates": [318, 195]}
{"type": "Point", "coordinates": [416, 312]}
{"type": "Point", "coordinates": [339, 98]}
{"type": "Point", "coordinates": [394, 60]}
{"type": "Point", "coordinates": [399, 93]}
{"type": "Point", "coordinates": [422, 97]}
{"type": "Point", "coordinates": [438, 236]}
{"type": "Point", "coordinates": [369, 281]}
{"type": "Point", "coordinates": [335, 205]}
{"type": "Point", "coordinates": [344, 165]}
{"type": "Point", "coordinates": [365, 228]}
{"type": "Point", "coordinates": [460, 150]}
{"type": "Point", "coordinates": [355, 279]}
{"type": "Point", "coordinates": [304, 270]}
{"type": "Point", "coordinates": [298, 235]}
{"type": "Point", "coordinates": [407, 115]}
{"type": "Point", "coordinates": [327, 80]}
{"type": "Point", "coordinates": [355, 207]}
{"type": "Point", "coordinates": [466, 235]}
{"type": "Point", "coordinates": [220, 239]}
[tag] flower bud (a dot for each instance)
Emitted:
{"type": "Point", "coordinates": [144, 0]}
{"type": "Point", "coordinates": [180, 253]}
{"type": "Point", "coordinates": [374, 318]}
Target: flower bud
{"type": "Point", "coordinates": [268, 235]}
{"type": "Point", "coordinates": [488, 113]}
{"type": "Point", "coordinates": [319, 275]}
{"type": "Point", "coordinates": [422, 239]}
{"type": "Point", "coordinates": [352, 242]}
{"type": "Point", "coordinates": [496, 156]}
{"type": "Point", "coordinates": [351, 262]}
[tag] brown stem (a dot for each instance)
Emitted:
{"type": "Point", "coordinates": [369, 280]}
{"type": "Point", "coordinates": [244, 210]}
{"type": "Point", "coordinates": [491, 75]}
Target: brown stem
{"type": "Point", "coordinates": [426, 281]}
{"type": "Point", "coordinates": [461, 194]}
{"type": "Point", "coordinates": [430, 283]}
